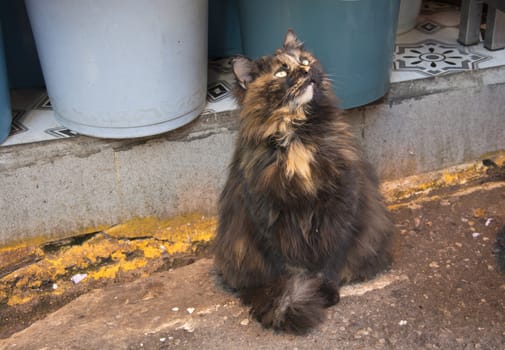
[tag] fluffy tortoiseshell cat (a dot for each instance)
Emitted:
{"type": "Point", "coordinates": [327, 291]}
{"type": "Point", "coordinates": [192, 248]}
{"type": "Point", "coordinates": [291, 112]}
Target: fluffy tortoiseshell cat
{"type": "Point", "coordinates": [300, 213]}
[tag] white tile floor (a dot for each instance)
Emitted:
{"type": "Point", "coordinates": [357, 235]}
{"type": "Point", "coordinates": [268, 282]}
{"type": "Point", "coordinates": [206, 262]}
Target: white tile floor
{"type": "Point", "coordinates": [430, 49]}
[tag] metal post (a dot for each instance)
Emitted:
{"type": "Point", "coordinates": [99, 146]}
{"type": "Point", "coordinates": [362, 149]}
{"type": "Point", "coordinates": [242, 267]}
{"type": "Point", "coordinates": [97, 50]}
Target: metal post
{"type": "Point", "coordinates": [494, 39]}
{"type": "Point", "coordinates": [471, 14]}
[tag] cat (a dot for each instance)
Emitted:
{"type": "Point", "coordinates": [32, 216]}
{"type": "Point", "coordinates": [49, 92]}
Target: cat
{"type": "Point", "coordinates": [496, 172]}
{"type": "Point", "coordinates": [499, 249]}
{"type": "Point", "coordinates": [300, 213]}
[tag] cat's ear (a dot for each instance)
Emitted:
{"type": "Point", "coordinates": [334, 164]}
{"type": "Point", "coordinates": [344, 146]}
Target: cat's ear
{"type": "Point", "coordinates": [243, 69]}
{"type": "Point", "coordinates": [291, 41]}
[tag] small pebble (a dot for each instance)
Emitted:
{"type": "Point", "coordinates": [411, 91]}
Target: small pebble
{"type": "Point", "coordinates": [363, 332]}
{"type": "Point", "coordinates": [434, 265]}
{"type": "Point", "coordinates": [190, 310]}
{"type": "Point", "coordinates": [55, 286]}
{"type": "Point", "coordinates": [479, 212]}
{"type": "Point", "coordinates": [488, 222]}
{"type": "Point", "coordinates": [414, 206]}
{"type": "Point", "coordinates": [475, 234]}
{"type": "Point", "coordinates": [175, 309]}
{"type": "Point", "coordinates": [244, 322]}
{"type": "Point", "coordinates": [188, 327]}
{"type": "Point", "coordinates": [459, 245]}
{"type": "Point", "coordinates": [78, 277]}
{"type": "Point", "coordinates": [162, 339]}
{"type": "Point", "coordinates": [402, 323]}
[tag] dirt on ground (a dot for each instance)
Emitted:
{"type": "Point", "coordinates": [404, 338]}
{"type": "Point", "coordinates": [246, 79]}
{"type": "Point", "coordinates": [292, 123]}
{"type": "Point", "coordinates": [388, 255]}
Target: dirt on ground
{"type": "Point", "coordinates": [39, 278]}
{"type": "Point", "coordinates": [443, 292]}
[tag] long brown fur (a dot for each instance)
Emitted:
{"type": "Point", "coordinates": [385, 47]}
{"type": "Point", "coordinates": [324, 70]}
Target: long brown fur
{"type": "Point", "coordinates": [300, 213]}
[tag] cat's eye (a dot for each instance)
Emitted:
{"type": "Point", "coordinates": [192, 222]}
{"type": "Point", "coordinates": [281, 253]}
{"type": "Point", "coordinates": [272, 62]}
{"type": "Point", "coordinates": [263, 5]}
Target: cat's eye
{"type": "Point", "coordinates": [304, 61]}
{"type": "Point", "coordinates": [282, 72]}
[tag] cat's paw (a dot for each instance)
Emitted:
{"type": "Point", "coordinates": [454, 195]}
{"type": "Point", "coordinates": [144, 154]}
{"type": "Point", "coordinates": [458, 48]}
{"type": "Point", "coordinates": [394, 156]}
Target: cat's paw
{"type": "Point", "coordinates": [329, 291]}
{"type": "Point", "coordinates": [263, 313]}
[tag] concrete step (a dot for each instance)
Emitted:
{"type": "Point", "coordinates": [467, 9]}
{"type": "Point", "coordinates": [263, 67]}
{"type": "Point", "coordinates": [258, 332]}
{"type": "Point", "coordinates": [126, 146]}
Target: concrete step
{"type": "Point", "coordinates": [58, 188]}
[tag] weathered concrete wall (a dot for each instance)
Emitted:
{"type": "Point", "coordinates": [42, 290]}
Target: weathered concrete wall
{"type": "Point", "coordinates": [57, 188]}
{"type": "Point", "coordinates": [51, 189]}
{"type": "Point", "coordinates": [435, 123]}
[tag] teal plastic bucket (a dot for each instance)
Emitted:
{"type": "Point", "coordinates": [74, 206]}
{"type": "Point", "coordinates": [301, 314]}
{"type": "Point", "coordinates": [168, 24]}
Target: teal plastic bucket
{"type": "Point", "coordinates": [224, 29]}
{"type": "Point", "coordinates": [5, 106]}
{"type": "Point", "coordinates": [354, 40]}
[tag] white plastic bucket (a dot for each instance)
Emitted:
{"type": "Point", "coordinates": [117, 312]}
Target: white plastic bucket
{"type": "Point", "coordinates": [407, 18]}
{"type": "Point", "coordinates": [122, 68]}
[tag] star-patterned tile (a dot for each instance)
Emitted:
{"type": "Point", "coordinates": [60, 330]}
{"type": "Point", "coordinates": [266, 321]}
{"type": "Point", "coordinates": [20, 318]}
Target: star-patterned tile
{"type": "Point", "coordinates": [431, 48]}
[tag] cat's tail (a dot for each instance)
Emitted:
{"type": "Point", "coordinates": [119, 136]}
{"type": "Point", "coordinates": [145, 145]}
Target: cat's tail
{"type": "Point", "coordinates": [294, 304]}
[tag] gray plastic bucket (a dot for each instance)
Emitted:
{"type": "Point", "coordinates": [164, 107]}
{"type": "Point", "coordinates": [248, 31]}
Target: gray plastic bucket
{"type": "Point", "coordinates": [354, 40]}
{"type": "Point", "coordinates": [5, 106]}
{"type": "Point", "coordinates": [122, 68]}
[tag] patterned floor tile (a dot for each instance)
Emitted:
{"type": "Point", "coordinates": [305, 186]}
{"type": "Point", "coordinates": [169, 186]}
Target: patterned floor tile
{"type": "Point", "coordinates": [61, 132]}
{"type": "Point", "coordinates": [218, 90]}
{"type": "Point", "coordinates": [428, 27]}
{"type": "Point", "coordinates": [432, 58]}
{"type": "Point", "coordinates": [44, 103]}
{"type": "Point", "coordinates": [17, 126]}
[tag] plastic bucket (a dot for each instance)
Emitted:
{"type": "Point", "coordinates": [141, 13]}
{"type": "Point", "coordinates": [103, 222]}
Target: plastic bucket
{"type": "Point", "coordinates": [122, 68]}
{"type": "Point", "coordinates": [354, 40]}
{"type": "Point", "coordinates": [5, 106]}
{"type": "Point", "coordinates": [23, 65]}
{"type": "Point", "coordinates": [409, 10]}
{"type": "Point", "coordinates": [224, 29]}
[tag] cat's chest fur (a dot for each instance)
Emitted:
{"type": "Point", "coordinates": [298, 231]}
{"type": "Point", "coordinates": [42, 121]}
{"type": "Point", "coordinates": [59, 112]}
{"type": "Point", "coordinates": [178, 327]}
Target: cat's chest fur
{"type": "Point", "coordinates": [280, 157]}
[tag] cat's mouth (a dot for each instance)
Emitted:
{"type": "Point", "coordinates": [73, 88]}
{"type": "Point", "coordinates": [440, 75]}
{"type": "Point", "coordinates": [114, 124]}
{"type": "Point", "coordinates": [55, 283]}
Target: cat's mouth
{"type": "Point", "coordinates": [306, 93]}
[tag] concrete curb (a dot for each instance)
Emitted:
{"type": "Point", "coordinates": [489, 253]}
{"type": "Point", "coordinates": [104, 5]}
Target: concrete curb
{"type": "Point", "coordinates": [54, 189]}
